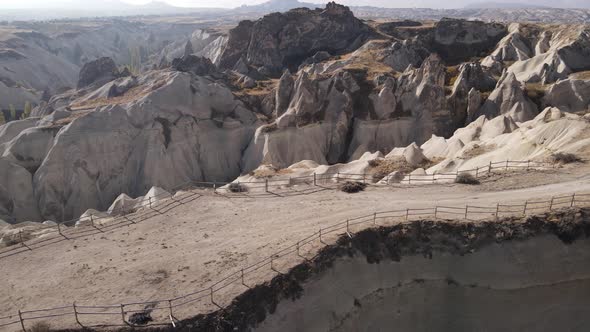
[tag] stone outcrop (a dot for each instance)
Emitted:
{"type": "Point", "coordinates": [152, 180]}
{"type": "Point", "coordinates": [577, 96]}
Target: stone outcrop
{"type": "Point", "coordinates": [280, 40]}
{"type": "Point", "coordinates": [458, 40]}
{"type": "Point", "coordinates": [175, 127]}
{"type": "Point", "coordinates": [98, 71]}
{"type": "Point", "coordinates": [196, 65]}
{"type": "Point", "coordinates": [509, 98]}
{"type": "Point", "coordinates": [571, 95]}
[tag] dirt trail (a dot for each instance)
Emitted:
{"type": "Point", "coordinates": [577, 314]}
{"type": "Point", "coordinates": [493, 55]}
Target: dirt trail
{"type": "Point", "coordinates": [196, 244]}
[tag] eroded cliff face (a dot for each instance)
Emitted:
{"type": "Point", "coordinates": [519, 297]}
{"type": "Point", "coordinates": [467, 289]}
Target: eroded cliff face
{"type": "Point", "coordinates": [166, 128]}
{"type": "Point", "coordinates": [509, 275]}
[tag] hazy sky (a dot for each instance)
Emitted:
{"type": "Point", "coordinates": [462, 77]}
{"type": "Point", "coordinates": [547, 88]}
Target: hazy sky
{"type": "Point", "coordinates": [234, 3]}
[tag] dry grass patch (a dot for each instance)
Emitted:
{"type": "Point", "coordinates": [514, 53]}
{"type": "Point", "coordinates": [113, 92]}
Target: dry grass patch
{"type": "Point", "coordinates": [269, 171]}
{"type": "Point", "coordinates": [451, 75]}
{"type": "Point", "coordinates": [369, 60]}
{"type": "Point", "coordinates": [582, 75]}
{"type": "Point", "coordinates": [535, 92]}
{"type": "Point", "coordinates": [132, 95]}
{"type": "Point", "coordinates": [477, 150]}
{"type": "Point", "coordinates": [381, 168]}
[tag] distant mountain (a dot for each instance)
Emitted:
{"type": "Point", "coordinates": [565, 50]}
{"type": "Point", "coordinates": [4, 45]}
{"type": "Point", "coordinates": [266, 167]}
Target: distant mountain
{"type": "Point", "coordinates": [507, 5]}
{"type": "Point", "coordinates": [276, 6]}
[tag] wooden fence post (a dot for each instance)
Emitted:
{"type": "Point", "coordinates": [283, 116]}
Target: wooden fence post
{"type": "Point", "coordinates": [409, 178]}
{"type": "Point", "coordinates": [266, 185]}
{"type": "Point", "coordinates": [22, 321]}
{"type": "Point", "coordinates": [407, 214]}
{"type": "Point", "coordinates": [525, 206]}
{"type": "Point", "coordinates": [375, 218]}
{"type": "Point", "coordinates": [551, 204]}
{"type": "Point", "coordinates": [150, 201]}
{"type": "Point", "coordinates": [59, 231]}
{"type": "Point", "coordinates": [315, 183]}
{"type": "Point", "coordinates": [338, 177]}
{"type": "Point", "coordinates": [76, 315]}
{"type": "Point", "coordinates": [466, 209]}
{"type": "Point", "coordinates": [476, 172]}
{"type": "Point", "coordinates": [436, 212]}
{"type": "Point", "coordinates": [211, 289]}
{"type": "Point", "coordinates": [497, 210]}
{"type": "Point", "coordinates": [171, 313]}
{"type": "Point", "coordinates": [490, 167]}
{"type": "Point", "coordinates": [573, 199]}
{"type": "Point", "coordinates": [243, 281]}
{"type": "Point", "coordinates": [321, 241]}
{"type": "Point", "coordinates": [123, 315]}
{"type": "Point", "coordinates": [22, 241]}
{"type": "Point", "coordinates": [528, 164]}
{"type": "Point", "coordinates": [506, 164]}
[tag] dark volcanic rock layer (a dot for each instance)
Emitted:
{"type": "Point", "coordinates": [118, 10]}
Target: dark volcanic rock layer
{"type": "Point", "coordinates": [282, 40]}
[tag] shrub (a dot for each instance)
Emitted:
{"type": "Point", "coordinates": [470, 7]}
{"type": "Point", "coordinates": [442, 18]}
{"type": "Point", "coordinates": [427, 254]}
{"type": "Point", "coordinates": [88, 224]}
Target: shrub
{"type": "Point", "coordinates": [237, 188]}
{"type": "Point", "coordinates": [269, 128]}
{"type": "Point", "coordinates": [466, 178]}
{"type": "Point", "coordinates": [141, 318]}
{"type": "Point", "coordinates": [565, 158]}
{"type": "Point", "coordinates": [352, 187]}
{"type": "Point", "coordinates": [40, 327]}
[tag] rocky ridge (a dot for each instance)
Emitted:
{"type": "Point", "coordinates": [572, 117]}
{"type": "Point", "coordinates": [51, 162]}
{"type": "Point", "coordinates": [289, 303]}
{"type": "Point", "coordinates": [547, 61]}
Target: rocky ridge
{"type": "Point", "coordinates": [315, 96]}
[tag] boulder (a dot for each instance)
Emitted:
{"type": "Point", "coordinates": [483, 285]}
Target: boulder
{"type": "Point", "coordinates": [571, 95]}
{"type": "Point", "coordinates": [124, 204]}
{"type": "Point", "coordinates": [97, 72]}
{"type": "Point", "coordinates": [196, 65]}
{"type": "Point", "coordinates": [277, 40]}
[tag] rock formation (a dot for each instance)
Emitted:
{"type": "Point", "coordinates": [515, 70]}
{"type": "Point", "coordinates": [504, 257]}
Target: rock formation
{"type": "Point", "coordinates": [280, 40]}
{"type": "Point", "coordinates": [345, 93]}
{"type": "Point", "coordinates": [98, 72]}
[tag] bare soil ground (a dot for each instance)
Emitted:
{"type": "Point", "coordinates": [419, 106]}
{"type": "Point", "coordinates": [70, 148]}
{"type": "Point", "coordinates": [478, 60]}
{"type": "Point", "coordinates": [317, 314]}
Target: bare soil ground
{"type": "Point", "coordinates": [190, 247]}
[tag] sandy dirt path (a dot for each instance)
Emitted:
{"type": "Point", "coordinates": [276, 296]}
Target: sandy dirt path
{"type": "Point", "coordinates": [193, 245]}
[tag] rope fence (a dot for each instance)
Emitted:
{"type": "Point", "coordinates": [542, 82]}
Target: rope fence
{"type": "Point", "coordinates": [123, 215]}
{"type": "Point", "coordinates": [122, 314]}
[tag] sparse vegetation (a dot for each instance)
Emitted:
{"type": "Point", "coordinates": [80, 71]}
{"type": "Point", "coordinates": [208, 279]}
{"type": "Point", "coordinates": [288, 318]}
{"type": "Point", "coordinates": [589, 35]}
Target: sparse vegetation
{"type": "Point", "coordinates": [351, 187]}
{"type": "Point", "coordinates": [535, 92]}
{"type": "Point", "coordinates": [451, 75]}
{"type": "Point", "coordinates": [27, 110]}
{"type": "Point", "coordinates": [268, 171]}
{"type": "Point", "coordinates": [477, 150]}
{"type": "Point", "coordinates": [269, 128]}
{"type": "Point", "coordinates": [141, 318]}
{"type": "Point", "coordinates": [466, 178]}
{"type": "Point", "coordinates": [383, 167]}
{"type": "Point", "coordinates": [236, 187]}
{"type": "Point", "coordinates": [12, 112]}
{"type": "Point", "coordinates": [565, 158]}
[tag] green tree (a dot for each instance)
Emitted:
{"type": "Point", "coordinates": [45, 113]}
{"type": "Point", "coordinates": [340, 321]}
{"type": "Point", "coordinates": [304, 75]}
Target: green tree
{"type": "Point", "coordinates": [27, 110]}
{"type": "Point", "coordinates": [12, 112]}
